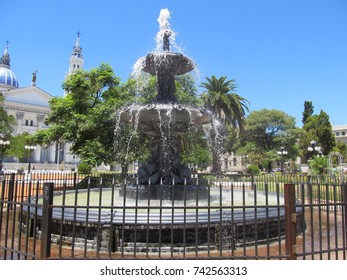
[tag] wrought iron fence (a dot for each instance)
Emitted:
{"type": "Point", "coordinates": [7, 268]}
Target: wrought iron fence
{"type": "Point", "coordinates": [67, 215]}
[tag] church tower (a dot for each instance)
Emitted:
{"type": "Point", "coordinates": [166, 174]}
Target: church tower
{"type": "Point", "coordinates": [76, 62]}
{"type": "Point", "coordinates": [76, 59]}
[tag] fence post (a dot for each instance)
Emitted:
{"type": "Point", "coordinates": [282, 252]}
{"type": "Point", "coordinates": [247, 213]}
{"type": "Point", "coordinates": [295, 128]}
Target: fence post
{"type": "Point", "coordinates": [309, 190]}
{"type": "Point", "coordinates": [344, 197]}
{"type": "Point", "coordinates": [290, 221]}
{"type": "Point", "coordinates": [252, 181]}
{"type": "Point", "coordinates": [75, 180]}
{"type": "Point", "coordinates": [46, 222]}
{"type": "Point", "coordinates": [11, 190]}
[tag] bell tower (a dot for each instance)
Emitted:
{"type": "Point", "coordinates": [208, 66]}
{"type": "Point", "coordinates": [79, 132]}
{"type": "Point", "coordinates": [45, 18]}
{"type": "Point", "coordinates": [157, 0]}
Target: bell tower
{"type": "Point", "coordinates": [76, 59]}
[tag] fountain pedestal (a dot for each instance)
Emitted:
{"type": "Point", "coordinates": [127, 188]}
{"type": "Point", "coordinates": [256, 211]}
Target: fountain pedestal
{"type": "Point", "coordinates": [164, 124]}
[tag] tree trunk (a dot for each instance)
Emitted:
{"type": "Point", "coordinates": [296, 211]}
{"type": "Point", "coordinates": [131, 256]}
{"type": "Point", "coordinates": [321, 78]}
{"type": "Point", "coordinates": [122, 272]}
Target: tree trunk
{"type": "Point", "coordinates": [216, 164]}
{"type": "Point", "coordinates": [269, 166]}
{"type": "Point", "coordinates": [125, 168]}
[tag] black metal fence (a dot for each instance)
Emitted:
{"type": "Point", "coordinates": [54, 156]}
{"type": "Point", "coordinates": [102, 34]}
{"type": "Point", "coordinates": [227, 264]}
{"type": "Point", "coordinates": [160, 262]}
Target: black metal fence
{"type": "Point", "coordinates": [66, 215]}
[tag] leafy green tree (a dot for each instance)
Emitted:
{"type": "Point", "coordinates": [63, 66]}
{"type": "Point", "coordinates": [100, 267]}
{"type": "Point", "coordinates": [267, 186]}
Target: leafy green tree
{"type": "Point", "coordinates": [186, 91]}
{"type": "Point", "coordinates": [130, 146]}
{"type": "Point", "coordinates": [341, 148]}
{"type": "Point", "coordinates": [231, 138]}
{"type": "Point", "coordinates": [84, 168]}
{"type": "Point", "coordinates": [248, 151]}
{"type": "Point", "coordinates": [18, 142]}
{"type": "Point", "coordinates": [253, 169]}
{"type": "Point", "coordinates": [194, 149]}
{"type": "Point", "coordinates": [319, 128]}
{"type": "Point", "coordinates": [308, 111]}
{"type": "Point", "coordinates": [266, 132]}
{"type": "Point", "coordinates": [146, 89]}
{"type": "Point", "coordinates": [7, 122]}
{"type": "Point", "coordinates": [85, 117]}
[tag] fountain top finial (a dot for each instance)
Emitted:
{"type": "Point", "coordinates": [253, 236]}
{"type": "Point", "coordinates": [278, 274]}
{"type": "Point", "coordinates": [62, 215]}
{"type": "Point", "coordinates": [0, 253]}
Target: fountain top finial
{"type": "Point", "coordinates": [166, 41]}
{"type": "Point", "coordinates": [164, 63]}
{"type": "Point", "coordinates": [164, 29]}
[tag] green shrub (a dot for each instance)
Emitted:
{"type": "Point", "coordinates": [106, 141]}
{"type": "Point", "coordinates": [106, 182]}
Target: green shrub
{"type": "Point", "coordinates": [318, 165]}
{"type": "Point", "coordinates": [84, 168]}
{"type": "Point", "coordinates": [253, 169]}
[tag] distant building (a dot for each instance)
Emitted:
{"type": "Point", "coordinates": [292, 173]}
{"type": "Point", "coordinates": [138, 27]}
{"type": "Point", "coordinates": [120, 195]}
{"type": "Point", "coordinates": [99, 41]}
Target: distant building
{"type": "Point", "coordinates": [340, 132]}
{"type": "Point", "coordinates": [232, 163]}
{"type": "Point", "coordinates": [30, 106]}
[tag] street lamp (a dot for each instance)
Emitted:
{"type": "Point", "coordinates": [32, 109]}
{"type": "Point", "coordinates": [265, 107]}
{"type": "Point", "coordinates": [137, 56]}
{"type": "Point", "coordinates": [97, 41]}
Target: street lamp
{"type": "Point", "coordinates": [244, 161]}
{"type": "Point", "coordinates": [314, 148]}
{"type": "Point", "coordinates": [3, 144]}
{"type": "Point", "coordinates": [282, 152]}
{"type": "Point", "coordinates": [30, 148]}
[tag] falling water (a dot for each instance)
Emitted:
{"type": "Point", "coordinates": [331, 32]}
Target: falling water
{"type": "Point", "coordinates": [214, 134]}
{"type": "Point", "coordinates": [161, 57]}
{"type": "Point", "coordinates": [164, 28]}
{"type": "Point", "coordinates": [134, 120]}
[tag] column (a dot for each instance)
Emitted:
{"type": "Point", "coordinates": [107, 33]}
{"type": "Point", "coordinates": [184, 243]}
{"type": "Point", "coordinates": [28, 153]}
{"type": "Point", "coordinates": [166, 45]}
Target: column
{"type": "Point", "coordinates": [37, 154]}
{"type": "Point", "coordinates": [38, 151]}
{"type": "Point", "coordinates": [20, 117]}
{"type": "Point", "coordinates": [40, 119]}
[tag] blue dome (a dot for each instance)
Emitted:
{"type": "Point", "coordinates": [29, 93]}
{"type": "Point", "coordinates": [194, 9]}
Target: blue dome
{"type": "Point", "coordinates": [7, 78]}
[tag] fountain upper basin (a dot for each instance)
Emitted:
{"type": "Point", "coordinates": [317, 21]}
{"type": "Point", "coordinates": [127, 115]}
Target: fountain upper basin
{"type": "Point", "coordinates": [173, 63]}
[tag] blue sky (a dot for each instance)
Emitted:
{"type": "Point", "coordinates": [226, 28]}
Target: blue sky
{"type": "Point", "coordinates": [280, 53]}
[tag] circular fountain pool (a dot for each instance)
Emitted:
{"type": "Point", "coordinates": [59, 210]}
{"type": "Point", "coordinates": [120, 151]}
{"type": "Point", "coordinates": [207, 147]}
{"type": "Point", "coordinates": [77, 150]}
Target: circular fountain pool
{"type": "Point", "coordinates": [106, 199]}
{"type": "Point", "coordinates": [106, 220]}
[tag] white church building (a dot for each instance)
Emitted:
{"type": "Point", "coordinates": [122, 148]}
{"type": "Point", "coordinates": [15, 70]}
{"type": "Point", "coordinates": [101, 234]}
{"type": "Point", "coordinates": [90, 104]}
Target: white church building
{"type": "Point", "coordinates": [29, 105]}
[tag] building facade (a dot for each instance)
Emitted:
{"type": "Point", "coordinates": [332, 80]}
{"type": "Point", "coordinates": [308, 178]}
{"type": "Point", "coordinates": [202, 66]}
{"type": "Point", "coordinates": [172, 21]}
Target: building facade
{"type": "Point", "coordinates": [340, 132]}
{"type": "Point", "coordinates": [232, 163]}
{"type": "Point", "coordinates": [29, 106]}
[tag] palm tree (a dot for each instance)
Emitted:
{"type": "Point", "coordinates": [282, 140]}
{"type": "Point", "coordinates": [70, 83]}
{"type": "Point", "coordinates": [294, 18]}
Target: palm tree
{"type": "Point", "coordinates": [222, 100]}
{"type": "Point", "coordinates": [227, 106]}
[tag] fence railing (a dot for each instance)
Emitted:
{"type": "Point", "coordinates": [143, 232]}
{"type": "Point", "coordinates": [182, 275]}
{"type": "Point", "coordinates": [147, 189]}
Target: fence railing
{"type": "Point", "coordinates": [67, 215]}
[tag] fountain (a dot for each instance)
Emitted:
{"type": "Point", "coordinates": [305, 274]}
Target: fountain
{"type": "Point", "coordinates": [164, 121]}
{"type": "Point", "coordinates": [164, 209]}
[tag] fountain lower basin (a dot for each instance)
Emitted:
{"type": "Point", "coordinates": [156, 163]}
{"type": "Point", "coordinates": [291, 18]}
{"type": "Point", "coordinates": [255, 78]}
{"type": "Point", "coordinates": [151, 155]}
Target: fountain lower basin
{"type": "Point", "coordinates": [106, 220]}
{"type": "Point", "coordinates": [154, 119]}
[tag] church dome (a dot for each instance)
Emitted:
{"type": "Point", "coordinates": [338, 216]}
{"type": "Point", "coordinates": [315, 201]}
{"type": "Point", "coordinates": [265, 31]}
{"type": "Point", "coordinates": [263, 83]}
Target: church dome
{"type": "Point", "coordinates": [7, 77]}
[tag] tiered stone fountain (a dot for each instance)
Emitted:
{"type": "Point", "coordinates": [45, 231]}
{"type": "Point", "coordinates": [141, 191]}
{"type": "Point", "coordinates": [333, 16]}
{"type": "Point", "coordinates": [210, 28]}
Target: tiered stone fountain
{"type": "Point", "coordinates": [164, 121]}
